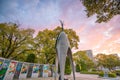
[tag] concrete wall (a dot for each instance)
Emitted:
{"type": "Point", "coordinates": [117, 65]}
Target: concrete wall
{"type": "Point", "coordinates": [49, 78]}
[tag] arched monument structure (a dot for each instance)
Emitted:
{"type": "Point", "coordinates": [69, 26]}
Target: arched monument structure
{"type": "Point", "coordinates": [63, 50]}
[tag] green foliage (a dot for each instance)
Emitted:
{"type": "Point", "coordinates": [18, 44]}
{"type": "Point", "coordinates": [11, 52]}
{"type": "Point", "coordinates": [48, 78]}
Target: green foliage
{"type": "Point", "coordinates": [67, 66]}
{"type": "Point", "coordinates": [21, 57]}
{"type": "Point", "coordinates": [101, 74]}
{"type": "Point", "coordinates": [77, 68]}
{"type": "Point", "coordinates": [13, 40]}
{"type": "Point", "coordinates": [83, 66]}
{"type": "Point", "coordinates": [31, 58]}
{"type": "Point", "coordinates": [17, 43]}
{"type": "Point", "coordinates": [113, 75]}
{"type": "Point", "coordinates": [103, 9]}
{"type": "Point", "coordinates": [108, 61]}
{"type": "Point", "coordinates": [83, 60]}
{"type": "Point", "coordinates": [67, 71]}
{"type": "Point", "coordinates": [71, 34]}
{"type": "Point", "coordinates": [117, 72]}
{"type": "Point", "coordinates": [45, 43]}
{"type": "Point", "coordinates": [92, 72]}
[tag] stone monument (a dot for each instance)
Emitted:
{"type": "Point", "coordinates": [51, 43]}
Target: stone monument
{"type": "Point", "coordinates": [63, 49]}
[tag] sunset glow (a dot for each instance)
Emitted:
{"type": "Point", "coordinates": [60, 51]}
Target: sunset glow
{"type": "Point", "coordinates": [42, 14]}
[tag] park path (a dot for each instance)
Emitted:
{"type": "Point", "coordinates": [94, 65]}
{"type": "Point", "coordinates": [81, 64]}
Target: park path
{"type": "Point", "coordinates": [78, 77]}
{"type": "Point", "coordinates": [83, 77]}
{"type": "Point", "coordinates": [89, 77]}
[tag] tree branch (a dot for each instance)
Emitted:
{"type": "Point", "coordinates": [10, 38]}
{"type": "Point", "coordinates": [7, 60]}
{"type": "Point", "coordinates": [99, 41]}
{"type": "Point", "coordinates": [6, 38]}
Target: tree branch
{"type": "Point", "coordinates": [10, 37]}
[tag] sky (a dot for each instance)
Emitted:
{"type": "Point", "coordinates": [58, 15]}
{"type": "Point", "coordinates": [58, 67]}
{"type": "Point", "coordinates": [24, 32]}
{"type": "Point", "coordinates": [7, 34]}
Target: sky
{"type": "Point", "coordinates": [42, 14]}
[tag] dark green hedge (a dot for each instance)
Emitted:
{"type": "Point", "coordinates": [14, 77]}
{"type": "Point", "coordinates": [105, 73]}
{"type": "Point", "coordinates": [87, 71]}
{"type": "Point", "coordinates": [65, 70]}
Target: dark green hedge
{"type": "Point", "coordinates": [31, 58]}
{"type": "Point", "coordinates": [113, 75]}
{"type": "Point", "coordinates": [67, 66]}
{"type": "Point", "coordinates": [117, 72]}
{"type": "Point", "coordinates": [86, 72]}
{"type": "Point", "coordinates": [77, 68]}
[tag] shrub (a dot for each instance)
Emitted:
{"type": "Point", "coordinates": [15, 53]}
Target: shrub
{"type": "Point", "coordinates": [86, 72]}
{"type": "Point", "coordinates": [112, 75]}
{"type": "Point", "coordinates": [117, 72]}
{"type": "Point", "coordinates": [77, 68]}
{"type": "Point", "coordinates": [94, 70]}
{"type": "Point", "coordinates": [67, 71]}
{"type": "Point", "coordinates": [101, 74]}
{"type": "Point", "coordinates": [31, 58]}
{"type": "Point", "coordinates": [67, 66]}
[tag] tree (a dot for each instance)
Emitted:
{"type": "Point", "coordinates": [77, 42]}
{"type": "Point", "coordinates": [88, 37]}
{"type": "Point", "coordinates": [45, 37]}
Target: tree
{"type": "Point", "coordinates": [109, 61]}
{"type": "Point", "coordinates": [71, 34]}
{"type": "Point", "coordinates": [101, 60]}
{"type": "Point", "coordinates": [45, 43]}
{"type": "Point", "coordinates": [67, 66]}
{"type": "Point", "coordinates": [13, 40]}
{"type": "Point", "coordinates": [31, 58]}
{"type": "Point", "coordinates": [103, 9]}
{"type": "Point", "coordinates": [77, 68]}
{"type": "Point", "coordinates": [83, 60]}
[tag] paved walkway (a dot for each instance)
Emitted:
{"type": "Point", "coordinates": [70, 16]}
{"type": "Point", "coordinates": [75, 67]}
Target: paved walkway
{"type": "Point", "coordinates": [84, 77]}
{"type": "Point", "coordinates": [78, 77]}
{"type": "Point", "coordinates": [89, 77]}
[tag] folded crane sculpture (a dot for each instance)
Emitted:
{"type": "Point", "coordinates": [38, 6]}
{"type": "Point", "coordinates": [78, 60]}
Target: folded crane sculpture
{"type": "Point", "coordinates": [63, 50]}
